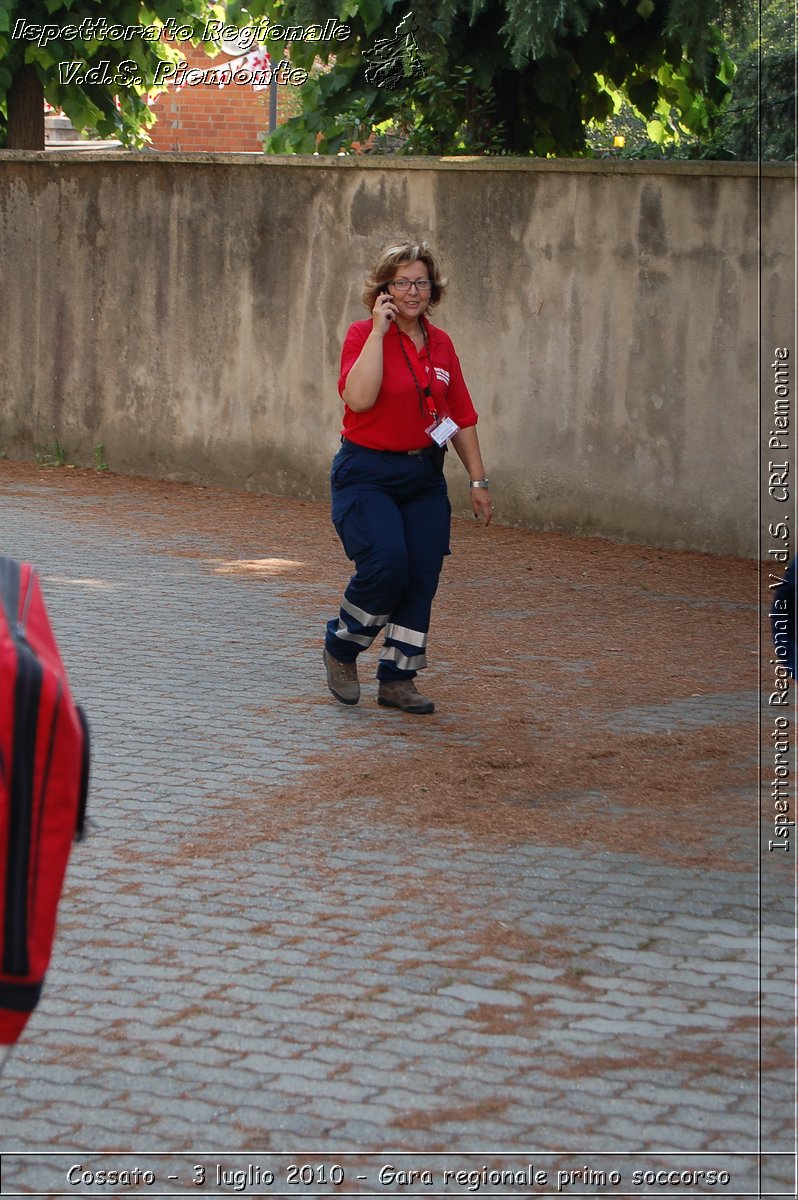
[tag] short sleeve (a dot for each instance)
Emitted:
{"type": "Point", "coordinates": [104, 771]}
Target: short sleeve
{"type": "Point", "coordinates": [458, 397]}
{"type": "Point", "coordinates": [355, 340]}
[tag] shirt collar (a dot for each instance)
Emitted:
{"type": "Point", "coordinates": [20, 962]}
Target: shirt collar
{"type": "Point", "coordinates": [433, 333]}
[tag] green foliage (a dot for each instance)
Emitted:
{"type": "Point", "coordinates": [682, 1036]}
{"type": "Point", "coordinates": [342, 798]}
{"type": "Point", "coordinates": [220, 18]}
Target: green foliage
{"type": "Point", "coordinates": [112, 109]}
{"type": "Point", "coordinates": [456, 128]}
{"type": "Point", "coordinates": [759, 118]}
{"type": "Point", "coordinates": [54, 457]}
{"type": "Point", "coordinates": [505, 75]}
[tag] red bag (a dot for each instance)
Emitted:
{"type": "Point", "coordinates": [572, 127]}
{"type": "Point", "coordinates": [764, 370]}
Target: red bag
{"type": "Point", "coordinates": [44, 772]}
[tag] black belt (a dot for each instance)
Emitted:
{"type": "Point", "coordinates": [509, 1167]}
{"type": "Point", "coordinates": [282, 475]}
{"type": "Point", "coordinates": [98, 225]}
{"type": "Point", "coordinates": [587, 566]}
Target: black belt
{"type": "Point", "coordinates": [428, 451]}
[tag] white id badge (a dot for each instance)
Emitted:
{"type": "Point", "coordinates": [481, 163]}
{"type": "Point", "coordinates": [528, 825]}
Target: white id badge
{"type": "Point", "coordinates": [441, 430]}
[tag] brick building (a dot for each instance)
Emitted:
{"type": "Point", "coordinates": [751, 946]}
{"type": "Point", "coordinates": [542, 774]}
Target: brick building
{"type": "Point", "coordinates": [206, 116]}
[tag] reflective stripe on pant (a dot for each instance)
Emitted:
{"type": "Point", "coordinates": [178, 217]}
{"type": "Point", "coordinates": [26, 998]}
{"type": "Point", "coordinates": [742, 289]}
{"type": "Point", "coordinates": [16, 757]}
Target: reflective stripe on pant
{"type": "Point", "coordinates": [392, 514]}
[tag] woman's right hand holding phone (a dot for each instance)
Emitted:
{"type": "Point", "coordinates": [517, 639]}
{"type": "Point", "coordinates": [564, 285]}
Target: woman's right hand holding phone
{"type": "Point", "coordinates": [383, 313]}
{"type": "Point", "coordinates": [365, 376]}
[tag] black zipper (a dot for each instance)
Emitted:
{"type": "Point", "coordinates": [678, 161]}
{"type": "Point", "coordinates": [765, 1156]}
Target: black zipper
{"type": "Point", "coordinates": [85, 771]}
{"type": "Point", "coordinates": [10, 586]}
{"type": "Point", "coordinates": [36, 846]}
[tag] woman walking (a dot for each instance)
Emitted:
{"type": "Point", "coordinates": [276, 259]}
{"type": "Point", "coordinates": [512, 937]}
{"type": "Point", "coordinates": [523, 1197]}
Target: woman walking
{"type": "Point", "coordinates": [405, 401]}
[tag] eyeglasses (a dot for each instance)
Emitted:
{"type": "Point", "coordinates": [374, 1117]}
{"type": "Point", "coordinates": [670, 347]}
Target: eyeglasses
{"type": "Point", "coordinates": [404, 285]}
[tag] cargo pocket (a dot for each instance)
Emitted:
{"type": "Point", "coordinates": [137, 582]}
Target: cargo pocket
{"type": "Point", "coordinates": [346, 517]}
{"type": "Point", "coordinates": [341, 467]}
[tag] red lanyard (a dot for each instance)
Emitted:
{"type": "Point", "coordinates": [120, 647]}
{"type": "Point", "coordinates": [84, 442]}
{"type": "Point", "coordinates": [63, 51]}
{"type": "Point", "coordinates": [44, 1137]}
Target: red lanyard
{"type": "Point", "coordinates": [424, 394]}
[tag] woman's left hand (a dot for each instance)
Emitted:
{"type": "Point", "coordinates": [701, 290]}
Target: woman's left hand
{"type": "Point", "coordinates": [481, 504]}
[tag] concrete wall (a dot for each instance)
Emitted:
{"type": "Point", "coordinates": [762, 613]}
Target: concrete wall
{"type": "Point", "coordinates": [187, 312]}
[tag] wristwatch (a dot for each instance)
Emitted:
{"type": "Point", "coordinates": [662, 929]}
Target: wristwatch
{"type": "Point", "coordinates": [479, 483]}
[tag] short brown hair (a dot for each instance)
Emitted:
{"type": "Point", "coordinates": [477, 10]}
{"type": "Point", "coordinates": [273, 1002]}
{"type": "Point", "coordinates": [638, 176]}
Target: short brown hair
{"type": "Point", "coordinates": [395, 256]}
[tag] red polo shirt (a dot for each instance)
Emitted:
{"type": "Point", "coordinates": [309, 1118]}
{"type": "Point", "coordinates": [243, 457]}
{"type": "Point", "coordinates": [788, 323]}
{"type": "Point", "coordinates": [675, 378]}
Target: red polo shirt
{"type": "Point", "coordinates": [396, 421]}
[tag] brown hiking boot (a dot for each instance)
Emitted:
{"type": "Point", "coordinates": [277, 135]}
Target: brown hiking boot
{"type": "Point", "coordinates": [403, 694]}
{"type": "Point", "coordinates": [342, 679]}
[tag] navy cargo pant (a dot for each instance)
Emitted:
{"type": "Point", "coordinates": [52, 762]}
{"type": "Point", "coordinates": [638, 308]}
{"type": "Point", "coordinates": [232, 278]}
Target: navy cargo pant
{"type": "Point", "coordinates": [392, 514]}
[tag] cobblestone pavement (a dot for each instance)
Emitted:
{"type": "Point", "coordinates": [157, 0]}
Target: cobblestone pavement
{"type": "Point", "coordinates": [253, 975]}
